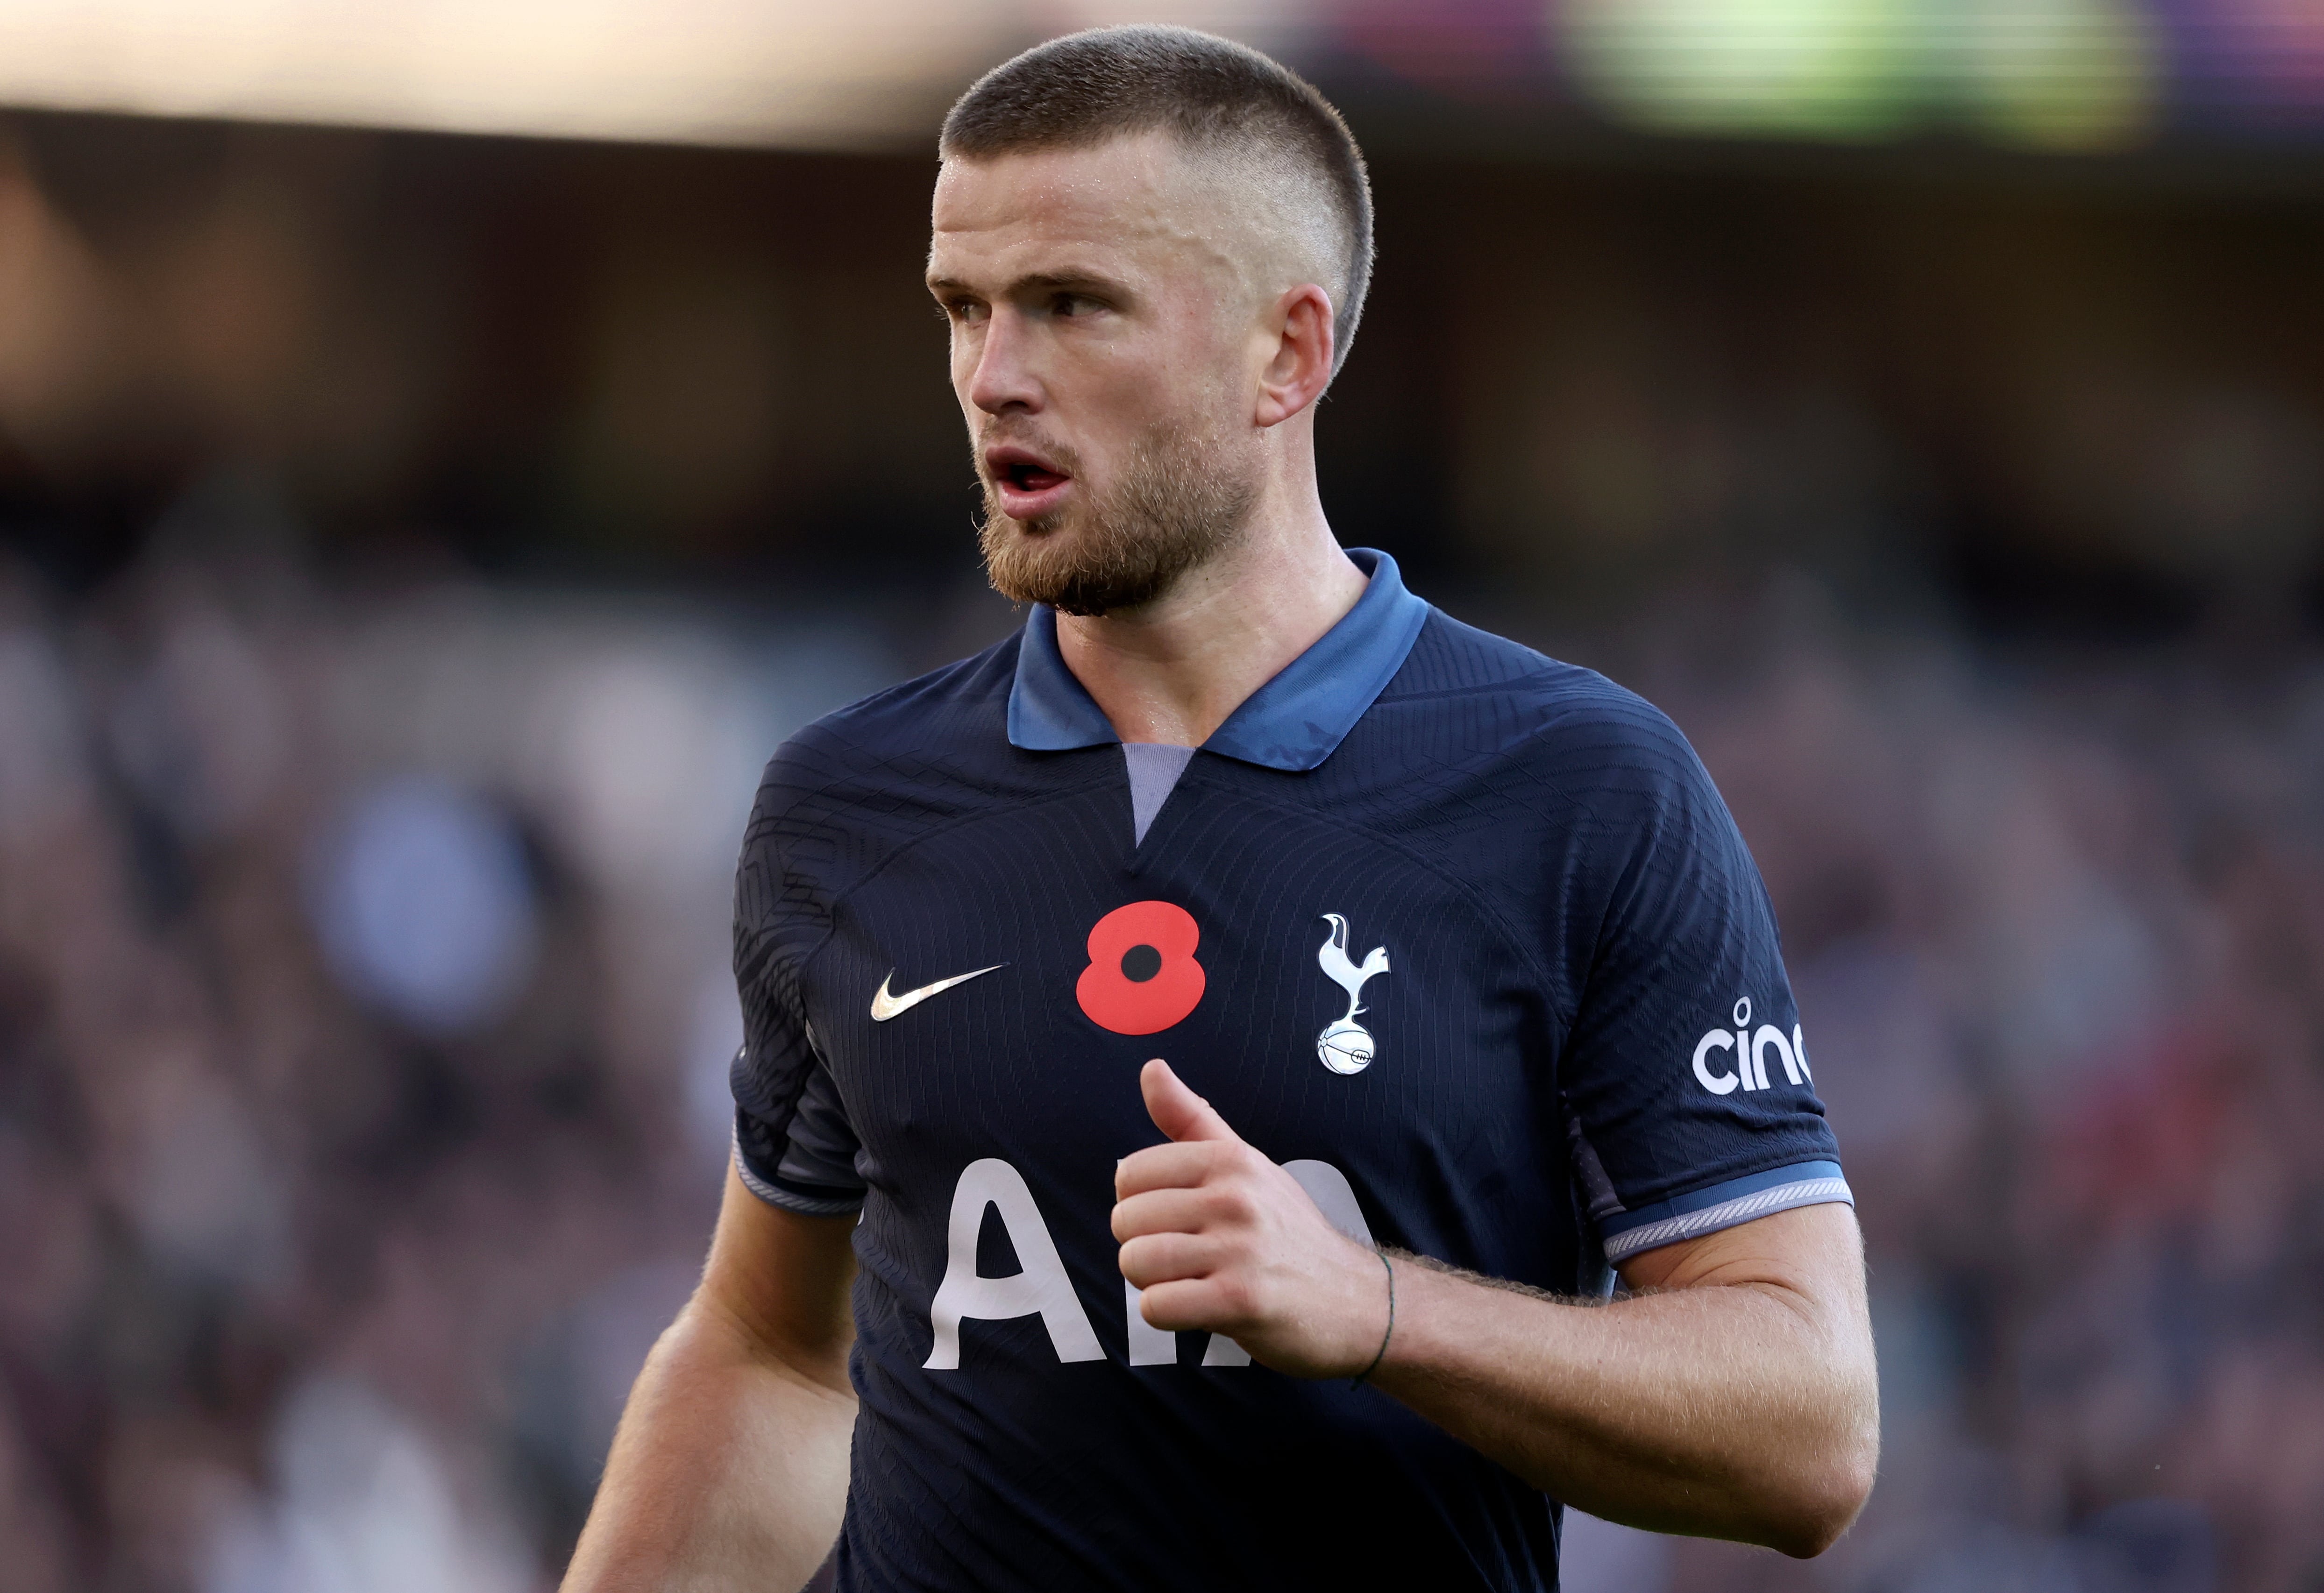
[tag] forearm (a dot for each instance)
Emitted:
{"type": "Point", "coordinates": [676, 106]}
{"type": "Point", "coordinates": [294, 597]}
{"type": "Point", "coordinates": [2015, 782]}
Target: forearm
{"type": "Point", "coordinates": [729, 1472]}
{"type": "Point", "coordinates": [1732, 1396]}
{"type": "Point", "coordinates": [1734, 1411]}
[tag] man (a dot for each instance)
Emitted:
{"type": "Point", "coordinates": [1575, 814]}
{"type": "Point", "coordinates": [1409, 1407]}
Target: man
{"type": "Point", "coordinates": [1250, 1011]}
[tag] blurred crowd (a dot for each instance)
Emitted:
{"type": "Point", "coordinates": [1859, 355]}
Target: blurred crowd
{"type": "Point", "coordinates": [2055, 915]}
{"type": "Point", "coordinates": [364, 1016]}
{"type": "Point", "coordinates": [363, 1025]}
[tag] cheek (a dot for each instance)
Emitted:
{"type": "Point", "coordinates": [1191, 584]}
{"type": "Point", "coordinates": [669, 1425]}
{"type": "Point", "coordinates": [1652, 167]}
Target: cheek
{"type": "Point", "coordinates": [1161, 382]}
{"type": "Point", "coordinates": [1101, 405]}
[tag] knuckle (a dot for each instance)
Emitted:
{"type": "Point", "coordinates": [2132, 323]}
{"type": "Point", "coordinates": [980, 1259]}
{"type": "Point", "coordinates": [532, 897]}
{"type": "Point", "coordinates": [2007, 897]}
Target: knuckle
{"type": "Point", "coordinates": [1233, 1204]}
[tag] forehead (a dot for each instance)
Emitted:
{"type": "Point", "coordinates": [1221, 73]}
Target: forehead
{"type": "Point", "coordinates": [1132, 202]}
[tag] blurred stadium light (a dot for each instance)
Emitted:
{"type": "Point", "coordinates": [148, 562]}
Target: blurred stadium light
{"type": "Point", "coordinates": [2045, 74]}
{"type": "Point", "coordinates": [702, 72]}
{"type": "Point", "coordinates": [2048, 73]}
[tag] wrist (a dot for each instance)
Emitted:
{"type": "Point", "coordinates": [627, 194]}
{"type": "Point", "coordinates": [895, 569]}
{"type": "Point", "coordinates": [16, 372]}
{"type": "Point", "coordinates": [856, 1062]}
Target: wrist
{"type": "Point", "coordinates": [1419, 1283]}
{"type": "Point", "coordinates": [1388, 1327]}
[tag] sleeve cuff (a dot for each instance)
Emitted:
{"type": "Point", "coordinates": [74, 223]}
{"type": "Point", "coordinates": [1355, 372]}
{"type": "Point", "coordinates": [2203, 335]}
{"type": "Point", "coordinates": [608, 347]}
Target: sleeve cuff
{"type": "Point", "coordinates": [1722, 1205]}
{"type": "Point", "coordinates": [807, 1200]}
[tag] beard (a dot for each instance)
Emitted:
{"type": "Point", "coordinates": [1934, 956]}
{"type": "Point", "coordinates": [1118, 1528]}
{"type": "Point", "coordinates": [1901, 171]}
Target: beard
{"type": "Point", "coordinates": [1179, 503]}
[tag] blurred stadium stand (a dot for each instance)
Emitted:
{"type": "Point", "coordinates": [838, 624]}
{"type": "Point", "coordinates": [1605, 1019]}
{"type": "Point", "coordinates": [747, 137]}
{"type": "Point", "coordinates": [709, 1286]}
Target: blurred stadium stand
{"type": "Point", "coordinates": [413, 537]}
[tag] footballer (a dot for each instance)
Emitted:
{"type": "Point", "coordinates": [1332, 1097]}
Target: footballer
{"type": "Point", "coordinates": [1250, 1082]}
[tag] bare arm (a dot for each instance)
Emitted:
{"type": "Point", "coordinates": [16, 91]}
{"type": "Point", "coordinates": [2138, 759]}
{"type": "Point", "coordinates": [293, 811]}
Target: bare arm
{"type": "Point", "coordinates": [1732, 1396]}
{"type": "Point", "coordinates": [730, 1468]}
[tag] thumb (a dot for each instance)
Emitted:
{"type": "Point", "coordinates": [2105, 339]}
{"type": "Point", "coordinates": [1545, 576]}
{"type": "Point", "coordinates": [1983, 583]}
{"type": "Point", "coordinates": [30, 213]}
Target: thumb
{"type": "Point", "coordinates": [1177, 1110]}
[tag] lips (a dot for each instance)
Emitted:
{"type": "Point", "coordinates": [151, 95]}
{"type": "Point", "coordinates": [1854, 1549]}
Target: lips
{"type": "Point", "coordinates": [1029, 483]}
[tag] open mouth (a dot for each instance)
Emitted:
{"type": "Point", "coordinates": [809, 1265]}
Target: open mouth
{"type": "Point", "coordinates": [1028, 483]}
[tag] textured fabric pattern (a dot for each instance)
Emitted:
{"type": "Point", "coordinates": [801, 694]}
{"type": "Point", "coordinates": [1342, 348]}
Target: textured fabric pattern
{"type": "Point", "coordinates": [1479, 960]}
{"type": "Point", "coordinates": [1725, 1205]}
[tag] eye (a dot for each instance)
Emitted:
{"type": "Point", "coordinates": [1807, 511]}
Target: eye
{"type": "Point", "coordinates": [1072, 305]}
{"type": "Point", "coordinates": [967, 311]}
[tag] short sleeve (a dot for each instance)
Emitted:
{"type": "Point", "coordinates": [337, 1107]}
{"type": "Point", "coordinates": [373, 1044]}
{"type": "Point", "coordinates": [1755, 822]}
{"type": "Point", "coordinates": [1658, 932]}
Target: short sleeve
{"type": "Point", "coordinates": [794, 1146]}
{"type": "Point", "coordinates": [1685, 1075]}
{"type": "Point", "coordinates": [808, 1165]}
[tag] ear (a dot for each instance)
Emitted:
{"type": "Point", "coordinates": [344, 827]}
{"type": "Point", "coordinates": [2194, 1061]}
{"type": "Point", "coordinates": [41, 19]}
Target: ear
{"type": "Point", "coordinates": [1301, 366]}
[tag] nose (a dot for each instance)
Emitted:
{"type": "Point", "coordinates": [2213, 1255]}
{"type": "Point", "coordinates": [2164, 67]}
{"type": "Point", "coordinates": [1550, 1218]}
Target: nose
{"type": "Point", "coordinates": [1003, 378]}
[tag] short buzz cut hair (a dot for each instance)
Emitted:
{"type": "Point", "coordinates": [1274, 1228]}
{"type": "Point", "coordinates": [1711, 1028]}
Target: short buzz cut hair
{"type": "Point", "coordinates": [1217, 97]}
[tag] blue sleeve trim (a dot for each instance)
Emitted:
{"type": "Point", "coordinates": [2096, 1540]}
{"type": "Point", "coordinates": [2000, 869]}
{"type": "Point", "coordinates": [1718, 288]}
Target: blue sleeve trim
{"type": "Point", "coordinates": [1723, 1205]}
{"type": "Point", "coordinates": [805, 1200]}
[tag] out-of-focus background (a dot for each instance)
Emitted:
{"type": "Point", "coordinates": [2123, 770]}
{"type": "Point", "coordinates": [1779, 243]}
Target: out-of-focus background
{"type": "Point", "coordinates": [444, 448]}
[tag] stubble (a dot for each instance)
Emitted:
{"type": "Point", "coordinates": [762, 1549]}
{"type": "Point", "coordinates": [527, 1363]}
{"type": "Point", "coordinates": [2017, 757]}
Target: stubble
{"type": "Point", "coordinates": [1179, 504]}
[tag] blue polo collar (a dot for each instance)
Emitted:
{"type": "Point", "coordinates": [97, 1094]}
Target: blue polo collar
{"type": "Point", "coordinates": [1293, 722]}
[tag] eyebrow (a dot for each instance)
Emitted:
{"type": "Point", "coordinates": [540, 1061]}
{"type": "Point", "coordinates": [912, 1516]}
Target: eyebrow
{"type": "Point", "coordinates": [1051, 281]}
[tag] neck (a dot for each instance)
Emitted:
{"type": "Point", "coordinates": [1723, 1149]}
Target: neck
{"type": "Point", "coordinates": [1172, 670]}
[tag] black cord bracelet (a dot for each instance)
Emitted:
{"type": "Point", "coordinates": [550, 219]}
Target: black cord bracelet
{"type": "Point", "coordinates": [1385, 1337]}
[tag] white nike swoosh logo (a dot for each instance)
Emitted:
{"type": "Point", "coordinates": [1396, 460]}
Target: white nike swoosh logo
{"type": "Point", "coordinates": [885, 1006]}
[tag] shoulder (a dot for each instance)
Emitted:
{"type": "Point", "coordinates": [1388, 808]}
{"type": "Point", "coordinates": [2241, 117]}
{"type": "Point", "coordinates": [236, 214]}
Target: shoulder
{"type": "Point", "coordinates": [865, 779]}
{"type": "Point", "coordinates": [923, 717]}
{"type": "Point", "coordinates": [921, 710]}
{"type": "Point", "coordinates": [924, 731]}
{"type": "Point", "coordinates": [1557, 719]}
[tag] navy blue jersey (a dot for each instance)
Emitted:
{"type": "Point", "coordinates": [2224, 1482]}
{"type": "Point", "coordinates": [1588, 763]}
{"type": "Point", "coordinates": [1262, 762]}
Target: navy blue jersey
{"type": "Point", "coordinates": [1461, 936]}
